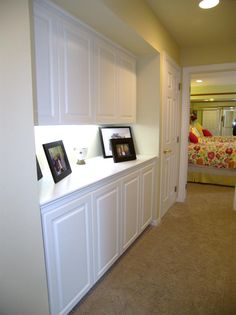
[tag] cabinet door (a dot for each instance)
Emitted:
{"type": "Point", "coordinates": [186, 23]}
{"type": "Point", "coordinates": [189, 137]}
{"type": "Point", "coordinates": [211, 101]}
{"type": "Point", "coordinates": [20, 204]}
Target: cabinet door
{"type": "Point", "coordinates": [147, 196]}
{"type": "Point", "coordinates": [105, 85]}
{"type": "Point", "coordinates": [130, 209]}
{"type": "Point", "coordinates": [68, 251]}
{"type": "Point", "coordinates": [106, 227]}
{"type": "Point", "coordinates": [45, 25]}
{"type": "Point", "coordinates": [75, 74]}
{"type": "Point", "coordinates": [126, 102]}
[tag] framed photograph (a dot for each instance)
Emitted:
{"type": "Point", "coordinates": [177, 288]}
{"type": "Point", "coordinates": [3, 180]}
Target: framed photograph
{"type": "Point", "coordinates": [107, 133]}
{"type": "Point", "coordinates": [39, 172]}
{"type": "Point", "coordinates": [57, 160]}
{"type": "Point", "coordinates": [123, 149]}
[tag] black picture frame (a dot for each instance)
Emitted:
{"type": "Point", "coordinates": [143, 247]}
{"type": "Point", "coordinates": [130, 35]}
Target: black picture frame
{"type": "Point", "coordinates": [123, 149]}
{"type": "Point", "coordinates": [57, 160]}
{"type": "Point", "coordinates": [39, 172]}
{"type": "Point", "coordinates": [112, 132]}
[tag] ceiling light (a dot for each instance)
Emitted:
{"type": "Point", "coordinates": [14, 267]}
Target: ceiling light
{"type": "Point", "coordinates": [199, 81]}
{"type": "Point", "coordinates": [208, 4]}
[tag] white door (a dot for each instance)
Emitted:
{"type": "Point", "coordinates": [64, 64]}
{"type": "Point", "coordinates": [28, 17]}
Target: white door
{"type": "Point", "coordinates": [68, 248]}
{"type": "Point", "coordinates": [229, 115]}
{"type": "Point", "coordinates": [45, 28]}
{"type": "Point", "coordinates": [211, 120]}
{"type": "Point", "coordinates": [105, 78]}
{"type": "Point", "coordinates": [126, 96]}
{"type": "Point", "coordinates": [147, 196]}
{"type": "Point", "coordinates": [106, 209]}
{"type": "Point", "coordinates": [130, 209]}
{"type": "Point", "coordinates": [75, 74]}
{"type": "Point", "coordinates": [170, 134]}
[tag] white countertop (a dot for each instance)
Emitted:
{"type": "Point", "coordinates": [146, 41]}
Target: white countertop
{"type": "Point", "coordinates": [95, 170]}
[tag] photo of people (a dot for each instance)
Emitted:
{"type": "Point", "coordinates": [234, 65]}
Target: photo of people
{"type": "Point", "coordinates": [57, 158]}
{"type": "Point", "coordinates": [122, 150]}
{"type": "Point", "coordinates": [108, 133]}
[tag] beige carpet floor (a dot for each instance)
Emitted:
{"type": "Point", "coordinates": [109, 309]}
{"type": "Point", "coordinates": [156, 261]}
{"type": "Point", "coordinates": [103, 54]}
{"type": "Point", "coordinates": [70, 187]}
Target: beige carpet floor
{"type": "Point", "coordinates": [185, 266]}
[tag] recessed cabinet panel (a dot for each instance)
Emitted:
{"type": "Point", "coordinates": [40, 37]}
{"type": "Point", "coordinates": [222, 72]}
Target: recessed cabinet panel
{"type": "Point", "coordinates": [126, 88]}
{"type": "Point", "coordinates": [130, 209]}
{"type": "Point", "coordinates": [115, 84]}
{"type": "Point", "coordinates": [46, 109]}
{"type": "Point", "coordinates": [106, 228]}
{"type": "Point", "coordinates": [75, 75]}
{"type": "Point", "coordinates": [69, 254]}
{"type": "Point", "coordinates": [105, 82]}
{"type": "Point", "coordinates": [147, 196]}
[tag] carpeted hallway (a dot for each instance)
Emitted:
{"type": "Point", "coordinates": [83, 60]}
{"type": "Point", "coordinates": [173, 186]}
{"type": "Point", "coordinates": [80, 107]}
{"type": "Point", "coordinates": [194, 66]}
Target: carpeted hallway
{"type": "Point", "coordinates": [185, 266]}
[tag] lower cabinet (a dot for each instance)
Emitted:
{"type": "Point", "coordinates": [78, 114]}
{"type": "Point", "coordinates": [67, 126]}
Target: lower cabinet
{"type": "Point", "coordinates": [147, 196]}
{"type": "Point", "coordinates": [106, 213]}
{"type": "Point", "coordinates": [84, 234]}
{"type": "Point", "coordinates": [130, 209]}
{"type": "Point", "coordinates": [68, 248]}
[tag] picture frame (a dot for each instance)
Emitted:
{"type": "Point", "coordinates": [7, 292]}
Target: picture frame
{"type": "Point", "coordinates": [39, 172]}
{"type": "Point", "coordinates": [57, 160]}
{"type": "Point", "coordinates": [112, 132]}
{"type": "Point", "coordinates": [123, 149]}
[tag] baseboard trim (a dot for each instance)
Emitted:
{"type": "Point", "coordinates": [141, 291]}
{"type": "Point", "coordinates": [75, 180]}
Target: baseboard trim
{"type": "Point", "coordinates": [155, 222]}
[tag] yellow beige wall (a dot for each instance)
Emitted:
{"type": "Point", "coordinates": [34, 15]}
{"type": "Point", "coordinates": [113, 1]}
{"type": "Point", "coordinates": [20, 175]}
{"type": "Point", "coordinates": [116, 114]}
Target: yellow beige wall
{"type": "Point", "coordinates": [195, 56]}
{"type": "Point", "coordinates": [214, 89]}
{"type": "Point", "coordinates": [139, 16]}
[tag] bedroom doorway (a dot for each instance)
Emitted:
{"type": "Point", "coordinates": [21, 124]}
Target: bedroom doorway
{"type": "Point", "coordinates": [187, 72]}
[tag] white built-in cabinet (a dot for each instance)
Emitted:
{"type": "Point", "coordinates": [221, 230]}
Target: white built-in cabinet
{"type": "Point", "coordinates": [75, 68]}
{"type": "Point", "coordinates": [115, 84]}
{"type": "Point", "coordinates": [87, 230]}
{"type": "Point", "coordinates": [81, 77]}
{"type": "Point", "coordinates": [68, 249]}
{"type": "Point", "coordinates": [106, 214]}
{"type": "Point", "coordinates": [130, 209]}
{"type": "Point", "coordinates": [46, 64]}
{"type": "Point", "coordinates": [147, 191]}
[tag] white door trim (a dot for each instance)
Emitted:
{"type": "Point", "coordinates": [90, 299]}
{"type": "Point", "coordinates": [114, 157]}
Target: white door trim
{"type": "Point", "coordinates": [187, 72]}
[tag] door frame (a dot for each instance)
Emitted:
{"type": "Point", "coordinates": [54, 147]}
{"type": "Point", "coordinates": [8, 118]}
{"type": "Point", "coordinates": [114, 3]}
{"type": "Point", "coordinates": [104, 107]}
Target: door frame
{"type": "Point", "coordinates": [186, 79]}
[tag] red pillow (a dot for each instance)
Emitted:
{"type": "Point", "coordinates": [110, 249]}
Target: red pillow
{"type": "Point", "coordinates": [193, 138]}
{"type": "Point", "coordinates": [206, 133]}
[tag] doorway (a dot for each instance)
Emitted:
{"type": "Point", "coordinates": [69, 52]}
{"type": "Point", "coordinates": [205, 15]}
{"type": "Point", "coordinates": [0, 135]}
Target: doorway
{"type": "Point", "coordinates": [187, 72]}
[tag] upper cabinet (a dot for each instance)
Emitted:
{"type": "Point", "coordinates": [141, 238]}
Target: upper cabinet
{"type": "Point", "coordinates": [126, 98]}
{"type": "Point", "coordinates": [75, 71]}
{"type": "Point", "coordinates": [115, 84]}
{"type": "Point", "coordinates": [81, 78]}
{"type": "Point", "coordinates": [46, 62]}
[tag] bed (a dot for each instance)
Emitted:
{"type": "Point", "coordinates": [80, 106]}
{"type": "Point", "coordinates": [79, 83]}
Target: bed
{"type": "Point", "coordinates": [212, 160]}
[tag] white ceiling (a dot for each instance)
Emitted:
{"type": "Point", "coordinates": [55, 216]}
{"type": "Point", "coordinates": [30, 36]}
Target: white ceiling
{"type": "Point", "coordinates": [192, 26]}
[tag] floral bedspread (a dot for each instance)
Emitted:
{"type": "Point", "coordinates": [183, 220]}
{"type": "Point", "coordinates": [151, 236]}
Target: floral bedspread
{"type": "Point", "coordinates": [214, 154]}
{"type": "Point", "coordinates": [220, 139]}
